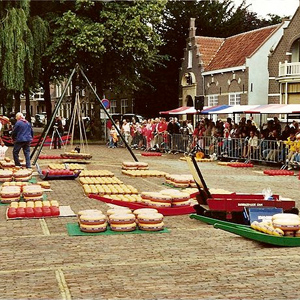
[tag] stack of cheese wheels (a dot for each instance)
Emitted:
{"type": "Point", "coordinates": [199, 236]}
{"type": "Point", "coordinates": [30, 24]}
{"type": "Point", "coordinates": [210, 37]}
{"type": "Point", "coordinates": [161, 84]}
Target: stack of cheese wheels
{"type": "Point", "coordinates": [136, 165]}
{"type": "Point", "coordinates": [180, 181]}
{"type": "Point", "coordinates": [289, 223]}
{"type": "Point", "coordinates": [33, 192]}
{"type": "Point", "coordinates": [92, 221]}
{"type": "Point", "coordinates": [6, 175]}
{"type": "Point", "coordinates": [122, 221]}
{"type": "Point", "coordinates": [10, 194]}
{"type": "Point", "coordinates": [179, 198]}
{"type": "Point", "coordinates": [156, 199]}
{"type": "Point", "coordinates": [22, 175]}
{"type": "Point", "coordinates": [150, 221]}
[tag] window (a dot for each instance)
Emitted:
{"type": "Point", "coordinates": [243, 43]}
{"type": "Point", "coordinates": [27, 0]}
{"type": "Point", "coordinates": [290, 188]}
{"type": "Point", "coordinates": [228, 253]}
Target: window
{"type": "Point", "coordinates": [113, 106]}
{"type": "Point", "coordinates": [124, 105]}
{"type": "Point", "coordinates": [190, 59]}
{"type": "Point", "coordinates": [235, 99]}
{"type": "Point", "coordinates": [58, 90]}
{"type": "Point", "coordinates": [69, 89]}
{"type": "Point", "coordinates": [213, 100]}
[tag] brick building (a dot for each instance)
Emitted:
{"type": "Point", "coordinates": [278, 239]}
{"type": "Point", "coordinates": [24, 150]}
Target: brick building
{"type": "Point", "coordinates": [284, 65]}
{"type": "Point", "coordinates": [235, 70]}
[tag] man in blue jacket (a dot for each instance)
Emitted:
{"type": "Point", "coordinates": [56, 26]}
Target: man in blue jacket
{"type": "Point", "coordinates": [22, 135]}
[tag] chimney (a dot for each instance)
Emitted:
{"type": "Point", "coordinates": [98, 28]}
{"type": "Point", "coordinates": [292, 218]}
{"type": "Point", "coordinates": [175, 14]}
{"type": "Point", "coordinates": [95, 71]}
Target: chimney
{"type": "Point", "coordinates": [192, 29]}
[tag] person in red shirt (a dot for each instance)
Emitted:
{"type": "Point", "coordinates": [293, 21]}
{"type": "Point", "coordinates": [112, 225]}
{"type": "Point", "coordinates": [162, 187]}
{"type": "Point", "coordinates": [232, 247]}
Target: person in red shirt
{"type": "Point", "coordinates": [160, 130]}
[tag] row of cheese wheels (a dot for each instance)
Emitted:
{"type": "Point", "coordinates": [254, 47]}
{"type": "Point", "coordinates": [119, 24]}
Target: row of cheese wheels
{"type": "Point", "coordinates": [96, 173]}
{"type": "Point", "coordinates": [31, 209]}
{"type": "Point", "coordinates": [43, 184]}
{"type": "Point", "coordinates": [63, 166]}
{"type": "Point", "coordinates": [100, 180]}
{"type": "Point", "coordinates": [120, 219]}
{"type": "Point", "coordinates": [283, 224]}
{"type": "Point", "coordinates": [109, 189]}
{"type": "Point", "coordinates": [144, 173]}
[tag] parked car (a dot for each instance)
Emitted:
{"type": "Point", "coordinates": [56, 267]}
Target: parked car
{"type": "Point", "coordinates": [40, 119]}
{"type": "Point", "coordinates": [129, 117]}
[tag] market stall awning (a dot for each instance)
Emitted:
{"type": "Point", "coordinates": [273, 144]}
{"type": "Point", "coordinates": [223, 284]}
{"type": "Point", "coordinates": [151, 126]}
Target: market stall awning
{"type": "Point", "coordinates": [286, 109]}
{"type": "Point", "coordinates": [236, 109]}
{"type": "Point", "coordinates": [213, 109]}
{"type": "Point", "coordinates": [267, 109]}
{"type": "Point", "coordinates": [183, 110]}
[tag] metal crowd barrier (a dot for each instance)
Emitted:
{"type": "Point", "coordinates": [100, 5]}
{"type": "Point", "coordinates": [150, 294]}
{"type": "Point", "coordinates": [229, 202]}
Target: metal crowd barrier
{"type": "Point", "coordinates": [231, 148]}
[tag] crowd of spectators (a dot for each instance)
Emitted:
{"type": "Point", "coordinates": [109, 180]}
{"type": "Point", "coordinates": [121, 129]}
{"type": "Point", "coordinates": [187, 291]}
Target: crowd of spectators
{"type": "Point", "coordinates": [269, 142]}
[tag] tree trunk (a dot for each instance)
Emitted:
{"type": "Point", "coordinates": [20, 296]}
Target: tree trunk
{"type": "Point", "coordinates": [27, 106]}
{"type": "Point", "coordinates": [17, 102]}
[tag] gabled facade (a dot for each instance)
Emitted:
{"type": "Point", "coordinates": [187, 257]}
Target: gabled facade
{"type": "Point", "coordinates": [230, 70]}
{"type": "Point", "coordinates": [284, 65]}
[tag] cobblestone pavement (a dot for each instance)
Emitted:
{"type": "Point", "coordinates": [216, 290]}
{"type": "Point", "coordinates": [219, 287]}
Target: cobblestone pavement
{"type": "Point", "coordinates": [194, 261]}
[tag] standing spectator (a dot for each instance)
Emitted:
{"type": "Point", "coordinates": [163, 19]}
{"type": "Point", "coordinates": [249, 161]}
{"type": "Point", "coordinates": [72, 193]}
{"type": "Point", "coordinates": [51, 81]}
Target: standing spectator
{"type": "Point", "coordinates": [291, 145]}
{"type": "Point", "coordinates": [126, 130]}
{"type": "Point", "coordinates": [58, 132]}
{"type": "Point", "coordinates": [190, 127]}
{"type": "Point", "coordinates": [22, 135]}
{"type": "Point", "coordinates": [113, 137]}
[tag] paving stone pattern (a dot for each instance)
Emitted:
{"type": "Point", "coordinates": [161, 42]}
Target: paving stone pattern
{"type": "Point", "coordinates": [194, 261]}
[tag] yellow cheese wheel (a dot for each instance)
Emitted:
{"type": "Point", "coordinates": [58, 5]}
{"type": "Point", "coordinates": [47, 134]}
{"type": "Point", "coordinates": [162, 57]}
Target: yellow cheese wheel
{"type": "Point", "coordinates": [152, 227]}
{"type": "Point", "coordinates": [150, 218]}
{"type": "Point", "coordinates": [123, 227]}
{"type": "Point", "coordinates": [121, 218]}
{"type": "Point", "coordinates": [92, 219]}
{"type": "Point", "coordinates": [93, 228]}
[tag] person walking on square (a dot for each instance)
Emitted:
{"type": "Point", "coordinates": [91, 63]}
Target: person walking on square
{"type": "Point", "coordinates": [22, 135]}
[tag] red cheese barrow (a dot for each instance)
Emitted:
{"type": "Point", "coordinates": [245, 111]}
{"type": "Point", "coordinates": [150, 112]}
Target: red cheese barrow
{"type": "Point", "coordinates": [230, 207]}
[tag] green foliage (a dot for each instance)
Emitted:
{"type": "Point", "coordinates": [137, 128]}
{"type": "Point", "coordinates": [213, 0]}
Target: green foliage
{"type": "Point", "coordinates": [16, 44]}
{"type": "Point", "coordinates": [40, 33]}
{"type": "Point", "coordinates": [113, 41]}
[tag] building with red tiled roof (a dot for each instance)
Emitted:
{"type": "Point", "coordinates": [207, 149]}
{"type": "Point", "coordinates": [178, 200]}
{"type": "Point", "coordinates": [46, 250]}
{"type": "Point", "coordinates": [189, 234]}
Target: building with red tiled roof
{"type": "Point", "coordinates": [231, 70]}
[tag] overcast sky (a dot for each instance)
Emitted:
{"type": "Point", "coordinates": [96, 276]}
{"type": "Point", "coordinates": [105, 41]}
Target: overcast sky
{"type": "Point", "coordinates": [278, 7]}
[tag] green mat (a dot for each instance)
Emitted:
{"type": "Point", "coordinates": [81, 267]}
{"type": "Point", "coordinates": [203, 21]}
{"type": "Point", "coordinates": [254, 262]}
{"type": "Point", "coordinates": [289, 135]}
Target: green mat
{"type": "Point", "coordinates": [74, 230]}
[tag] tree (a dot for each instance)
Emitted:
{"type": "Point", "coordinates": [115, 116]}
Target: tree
{"type": "Point", "coordinates": [114, 42]}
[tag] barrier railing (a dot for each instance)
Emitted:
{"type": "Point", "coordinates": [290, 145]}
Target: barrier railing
{"type": "Point", "coordinates": [246, 149]}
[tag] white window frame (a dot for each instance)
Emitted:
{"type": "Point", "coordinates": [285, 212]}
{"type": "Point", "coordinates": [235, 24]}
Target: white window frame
{"type": "Point", "coordinates": [58, 90]}
{"type": "Point", "coordinates": [234, 99]}
{"type": "Point", "coordinates": [213, 100]}
{"type": "Point", "coordinates": [113, 106]}
{"type": "Point", "coordinates": [124, 105]}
